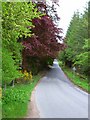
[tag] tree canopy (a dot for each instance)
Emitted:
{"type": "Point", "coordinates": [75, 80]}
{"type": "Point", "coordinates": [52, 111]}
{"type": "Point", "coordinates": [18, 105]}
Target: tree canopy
{"type": "Point", "coordinates": [43, 45]}
{"type": "Point", "coordinates": [16, 17]}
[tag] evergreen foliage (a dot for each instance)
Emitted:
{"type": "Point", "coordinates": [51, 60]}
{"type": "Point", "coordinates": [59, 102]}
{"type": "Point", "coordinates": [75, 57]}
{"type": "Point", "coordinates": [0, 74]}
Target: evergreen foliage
{"type": "Point", "coordinates": [77, 50]}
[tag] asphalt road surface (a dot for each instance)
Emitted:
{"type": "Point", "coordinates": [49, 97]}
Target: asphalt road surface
{"type": "Point", "coordinates": [57, 97]}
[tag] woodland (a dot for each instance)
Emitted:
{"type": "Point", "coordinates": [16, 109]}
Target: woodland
{"type": "Point", "coordinates": [30, 36]}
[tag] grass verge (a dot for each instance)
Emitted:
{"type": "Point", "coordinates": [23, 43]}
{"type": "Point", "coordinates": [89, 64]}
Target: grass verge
{"type": "Point", "coordinates": [15, 100]}
{"type": "Point", "coordinates": [77, 80]}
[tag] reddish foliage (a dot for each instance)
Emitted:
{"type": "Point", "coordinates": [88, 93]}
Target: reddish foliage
{"type": "Point", "coordinates": [43, 45]}
{"type": "Point", "coordinates": [44, 42]}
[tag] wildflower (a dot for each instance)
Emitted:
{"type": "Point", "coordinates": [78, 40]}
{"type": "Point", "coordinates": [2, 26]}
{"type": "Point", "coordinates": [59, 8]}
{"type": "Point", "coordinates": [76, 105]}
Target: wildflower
{"type": "Point", "coordinates": [26, 73]}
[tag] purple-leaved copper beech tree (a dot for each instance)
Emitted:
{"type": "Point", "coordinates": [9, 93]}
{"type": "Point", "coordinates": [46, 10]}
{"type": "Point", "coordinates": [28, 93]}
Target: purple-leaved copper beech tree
{"type": "Point", "coordinates": [43, 46]}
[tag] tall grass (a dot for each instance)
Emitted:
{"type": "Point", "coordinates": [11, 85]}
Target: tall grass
{"type": "Point", "coordinates": [77, 80]}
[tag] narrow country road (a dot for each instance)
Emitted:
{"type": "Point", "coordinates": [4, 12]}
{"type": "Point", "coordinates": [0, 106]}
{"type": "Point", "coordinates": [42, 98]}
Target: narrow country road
{"type": "Point", "coordinates": [57, 97]}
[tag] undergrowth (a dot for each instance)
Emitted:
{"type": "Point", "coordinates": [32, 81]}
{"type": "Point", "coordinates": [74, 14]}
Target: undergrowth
{"type": "Point", "coordinates": [15, 99]}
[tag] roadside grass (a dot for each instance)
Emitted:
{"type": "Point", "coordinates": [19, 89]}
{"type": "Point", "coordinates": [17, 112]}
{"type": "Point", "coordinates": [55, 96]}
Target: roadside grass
{"type": "Point", "coordinates": [15, 100]}
{"type": "Point", "coordinates": [77, 80]}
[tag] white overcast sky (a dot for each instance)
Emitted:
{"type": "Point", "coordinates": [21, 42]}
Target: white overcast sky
{"type": "Point", "coordinates": [67, 9]}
